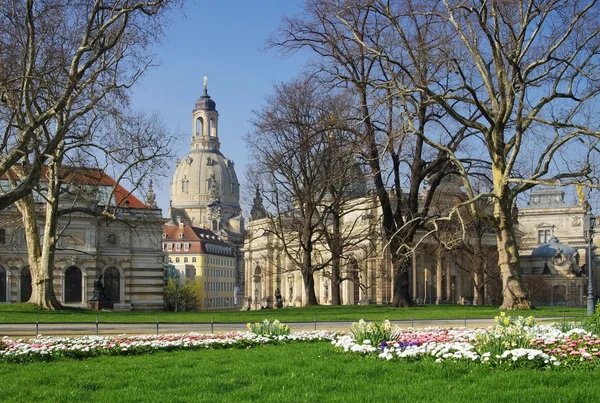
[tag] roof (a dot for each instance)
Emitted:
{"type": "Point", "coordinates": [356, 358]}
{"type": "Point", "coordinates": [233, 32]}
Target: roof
{"type": "Point", "coordinates": [209, 242]}
{"type": "Point", "coordinates": [94, 177]}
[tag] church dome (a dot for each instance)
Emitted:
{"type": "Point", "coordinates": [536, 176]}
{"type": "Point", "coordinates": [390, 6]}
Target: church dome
{"type": "Point", "coordinates": [553, 248]}
{"type": "Point", "coordinates": [205, 186]}
{"type": "Point", "coordinates": [196, 177]}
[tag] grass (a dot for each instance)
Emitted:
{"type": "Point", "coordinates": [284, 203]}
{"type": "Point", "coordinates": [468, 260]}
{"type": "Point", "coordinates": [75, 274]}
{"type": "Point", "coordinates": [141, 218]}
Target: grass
{"type": "Point", "coordinates": [287, 373]}
{"type": "Point", "coordinates": [27, 313]}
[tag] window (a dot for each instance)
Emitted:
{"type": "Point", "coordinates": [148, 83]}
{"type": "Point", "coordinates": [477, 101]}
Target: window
{"type": "Point", "coordinates": [194, 259]}
{"type": "Point", "coordinates": [544, 236]}
{"type": "Point", "coordinates": [176, 260]}
{"type": "Point", "coordinates": [178, 247]}
{"type": "Point", "coordinates": [185, 260]}
{"type": "Point", "coordinates": [186, 246]}
{"type": "Point", "coordinates": [184, 186]}
{"type": "Point", "coordinates": [170, 247]}
{"type": "Point", "coordinates": [181, 235]}
{"type": "Point", "coordinates": [164, 235]}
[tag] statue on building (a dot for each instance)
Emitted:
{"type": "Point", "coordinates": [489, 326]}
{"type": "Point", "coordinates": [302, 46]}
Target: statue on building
{"type": "Point", "coordinates": [258, 211]}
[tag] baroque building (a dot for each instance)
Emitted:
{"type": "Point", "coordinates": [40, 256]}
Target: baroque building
{"type": "Point", "coordinates": [205, 201]}
{"type": "Point", "coordinates": [444, 263]}
{"type": "Point", "coordinates": [126, 250]}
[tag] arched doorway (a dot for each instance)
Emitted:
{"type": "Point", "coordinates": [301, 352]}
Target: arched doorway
{"type": "Point", "coordinates": [2, 285]}
{"type": "Point", "coordinates": [25, 284]}
{"type": "Point", "coordinates": [112, 284]}
{"type": "Point", "coordinates": [73, 284]}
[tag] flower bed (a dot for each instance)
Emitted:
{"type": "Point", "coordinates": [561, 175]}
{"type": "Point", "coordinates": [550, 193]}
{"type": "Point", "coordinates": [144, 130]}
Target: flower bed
{"type": "Point", "coordinates": [49, 348]}
{"type": "Point", "coordinates": [513, 342]}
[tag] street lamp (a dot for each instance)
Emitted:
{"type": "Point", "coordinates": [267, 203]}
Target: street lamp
{"type": "Point", "coordinates": [589, 224]}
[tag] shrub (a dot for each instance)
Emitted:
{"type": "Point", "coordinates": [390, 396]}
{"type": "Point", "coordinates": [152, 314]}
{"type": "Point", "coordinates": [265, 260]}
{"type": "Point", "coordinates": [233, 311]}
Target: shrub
{"type": "Point", "coordinates": [266, 328]}
{"type": "Point", "coordinates": [592, 322]}
{"type": "Point", "coordinates": [182, 298]}
{"type": "Point", "coordinates": [510, 333]}
{"type": "Point", "coordinates": [375, 332]}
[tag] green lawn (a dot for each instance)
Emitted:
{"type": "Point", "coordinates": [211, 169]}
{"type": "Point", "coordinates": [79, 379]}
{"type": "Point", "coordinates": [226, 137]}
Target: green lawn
{"type": "Point", "coordinates": [287, 373]}
{"type": "Point", "coordinates": [14, 313]}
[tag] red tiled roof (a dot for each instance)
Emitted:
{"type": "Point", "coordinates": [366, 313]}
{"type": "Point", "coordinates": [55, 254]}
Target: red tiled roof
{"type": "Point", "coordinates": [96, 177]}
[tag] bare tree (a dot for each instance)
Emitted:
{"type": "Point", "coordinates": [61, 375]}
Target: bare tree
{"type": "Point", "coordinates": [65, 68]}
{"type": "Point", "coordinates": [59, 61]}
{"type": "Point", "coordinates": [303, 173]}
{"type": "Point", "coordinates": [526, 76]}
{"type": "Point", "coordinates": [390, 121]}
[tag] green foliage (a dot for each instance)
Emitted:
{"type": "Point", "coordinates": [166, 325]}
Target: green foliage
{"type": "Point", "coordinates": [592, 322]}
{"type": "Point", "coordinates": [510, 333]}
{"type": "Point", "coordinates": [182, 298]}
{"type": "Point", "coordinates": [267, 328]}
{"type": "Point", "coordinates": [376, 332]}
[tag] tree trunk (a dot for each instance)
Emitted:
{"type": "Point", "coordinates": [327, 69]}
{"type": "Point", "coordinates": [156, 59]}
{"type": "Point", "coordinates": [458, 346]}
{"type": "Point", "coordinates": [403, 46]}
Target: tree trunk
{"type": "Point", "coordinates": [402, 266]}
{"type": "Point", "coordinates": [514, 295]}
{"type": "Point", "coordinates": [308, 279]}
{"type": "Point", "coordinates": [335, 281]}
{"type": "Point", "coordinates": [42, 288]}
{"type": "Point", "coordinates": [478, 281]}
{"type": "Point", "coordinates": [309, 289]}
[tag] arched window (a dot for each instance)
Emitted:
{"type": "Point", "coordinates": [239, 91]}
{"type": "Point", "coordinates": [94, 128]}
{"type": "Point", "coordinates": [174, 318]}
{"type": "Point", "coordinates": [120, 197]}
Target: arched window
{"type": "Point", "coordinates": [73, 287]}
{"type": "Point", "coordinates": [25, 284]}
{"type": "Point", "coordinates": [112, 284]}
{"type": "Point", "coordinates": [199, 127]}
{"type": "Point", "coordinates": [2, 285]}
{"type": "Point", "coordinates": [212, 128]}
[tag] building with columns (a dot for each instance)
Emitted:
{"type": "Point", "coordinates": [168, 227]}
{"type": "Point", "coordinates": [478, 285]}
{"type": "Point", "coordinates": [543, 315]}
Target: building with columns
{"type": "Point", "coordinates": [126, 251]}
{"type": "Point", "coordinates": [205, 200]}
{"type": "Point", "coordinates": [443, 263]}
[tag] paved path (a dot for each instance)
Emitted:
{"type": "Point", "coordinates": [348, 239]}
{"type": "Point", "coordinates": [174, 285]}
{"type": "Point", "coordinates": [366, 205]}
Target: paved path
{"type": "Point", "coordinates": [29, 330]}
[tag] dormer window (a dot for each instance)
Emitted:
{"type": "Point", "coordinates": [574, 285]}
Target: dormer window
{"type": "Point", "coordinates": [181, 235]}
{"type": "Point", "coordinates": [164, 235]}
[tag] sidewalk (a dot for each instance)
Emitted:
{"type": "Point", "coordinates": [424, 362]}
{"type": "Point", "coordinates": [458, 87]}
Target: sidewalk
{"type": "Point", "coordinates": [30, 330]}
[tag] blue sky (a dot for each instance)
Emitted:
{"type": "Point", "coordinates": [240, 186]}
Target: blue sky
{"type": "Point", "coordinates": [223, 40]}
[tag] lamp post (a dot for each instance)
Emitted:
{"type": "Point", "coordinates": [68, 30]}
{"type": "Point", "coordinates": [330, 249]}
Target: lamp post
{"type": "Point", "coordinates": [589, 224]}
{"type": "Point", "coordinates": [256, 297]}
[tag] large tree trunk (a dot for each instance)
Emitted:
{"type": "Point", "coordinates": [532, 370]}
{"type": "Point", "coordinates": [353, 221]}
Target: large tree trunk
{"type": "Point", "coordinates": [309, 289]}
{"type": "Point", "coordinates": [41, 269]}
{"type": "Point", "coordinates": [308, 279]}
{"type": "Point", "coordinates": [402, 265]}
{"type": "Point", "coordinates": [514, 295]}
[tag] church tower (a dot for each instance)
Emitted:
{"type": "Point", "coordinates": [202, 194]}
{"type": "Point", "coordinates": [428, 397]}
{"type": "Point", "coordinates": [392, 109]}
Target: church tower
{"type": "Point", "coordinates": [205, 192]}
